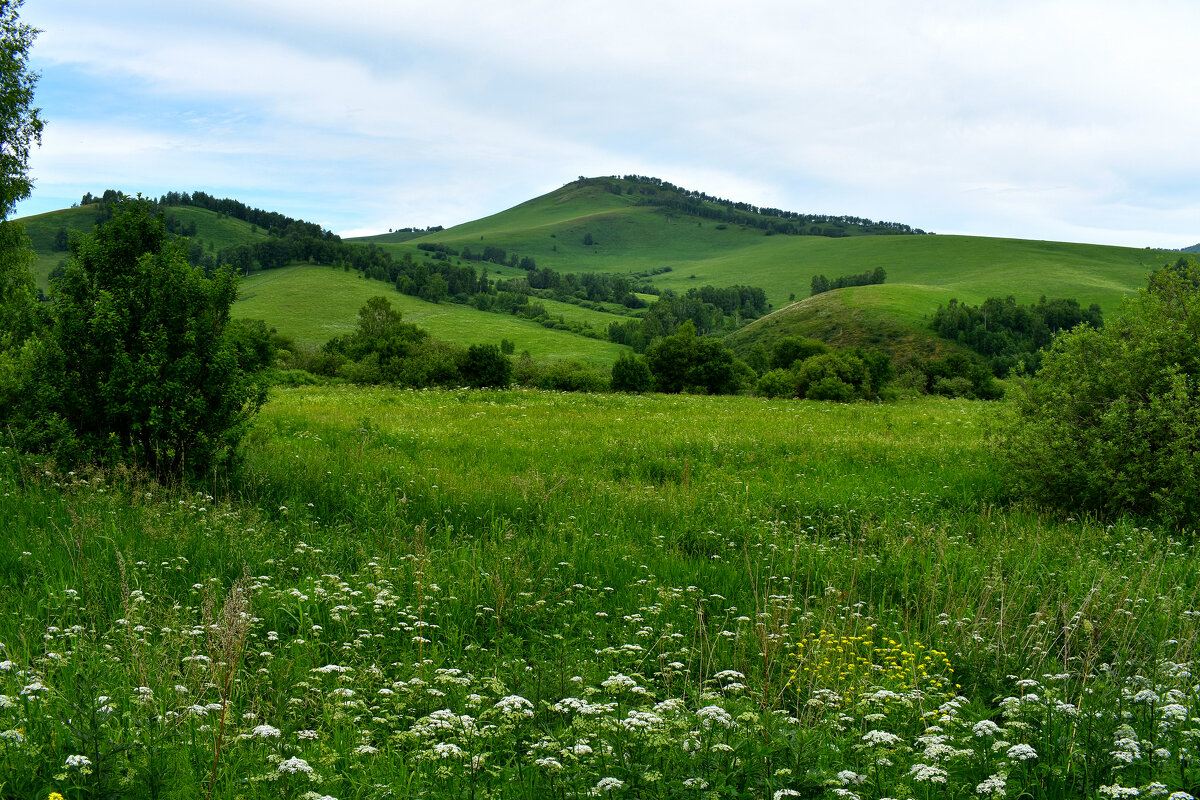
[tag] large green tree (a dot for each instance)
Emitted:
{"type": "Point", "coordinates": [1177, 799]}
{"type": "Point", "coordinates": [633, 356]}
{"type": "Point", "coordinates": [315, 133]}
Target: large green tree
{"type": "Point", "coordinates": [20, 123]}
{"type": "Point", "coordinates": [20, 131]}
{"type": "Point", "coordinates": [137, 364]}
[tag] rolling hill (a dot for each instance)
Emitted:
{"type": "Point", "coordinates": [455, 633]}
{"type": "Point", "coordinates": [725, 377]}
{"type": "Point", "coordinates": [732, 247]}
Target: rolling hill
{"type": "Point", "coordinates": [679, 241]}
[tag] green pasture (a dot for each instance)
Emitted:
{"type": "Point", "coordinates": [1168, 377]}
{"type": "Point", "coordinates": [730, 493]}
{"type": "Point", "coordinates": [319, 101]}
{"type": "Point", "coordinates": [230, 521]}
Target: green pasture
{"type": "Point", "coordinates": [314, 304]}
{"type": "Point", "coordinates": [521, 594]}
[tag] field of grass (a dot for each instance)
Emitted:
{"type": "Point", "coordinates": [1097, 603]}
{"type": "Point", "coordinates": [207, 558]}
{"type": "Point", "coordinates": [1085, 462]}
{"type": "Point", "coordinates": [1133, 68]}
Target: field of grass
{"type": "Point", "coordinates": [449, 594]}
{"type": "Point", "coordinates": [314, 304]}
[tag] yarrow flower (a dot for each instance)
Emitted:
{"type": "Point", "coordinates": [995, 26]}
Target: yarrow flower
{"type": "Point", "coordinates": [607, 785]}
{"type": "Point", "coordinates": [266, 732]}
{"type": "Point", "coordinates": [78, 762]}
{"type": "Point", "coordinates": [294, 765]}
{"type": "Point", "coordinates": [515, 705]}
{"type": "Point", "coordinates": [927, 772]}
{"type": "Point", "coordinates": [447, 750]}
{"type": "Point", "coordinates": [985, 727]}
{"type": "Point", "coordinates": [1021, 752]}
{"type": "Point", "coordinates": [880, 737]}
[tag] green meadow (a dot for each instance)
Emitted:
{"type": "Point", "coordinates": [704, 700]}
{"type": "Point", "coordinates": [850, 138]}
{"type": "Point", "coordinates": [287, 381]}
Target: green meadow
{"type": "Point", "coordinates": [314, 304]}
{"type": "Point", "coordinates": [521, 594]}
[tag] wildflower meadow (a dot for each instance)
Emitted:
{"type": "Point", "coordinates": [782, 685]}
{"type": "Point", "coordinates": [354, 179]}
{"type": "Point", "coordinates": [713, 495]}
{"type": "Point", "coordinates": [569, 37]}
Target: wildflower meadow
{"type": "Point", "coordinates": [522, 594]}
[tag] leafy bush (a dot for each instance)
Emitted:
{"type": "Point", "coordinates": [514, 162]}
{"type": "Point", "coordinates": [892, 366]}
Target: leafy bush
{"type": "Point", "coordinates": [572, 376]}
{"type": "Point", "coordinates": [1111, 421]}
{"type": "Point", "coordinates": [790, 349]}
{"type": "Point", "coordinates": [776, 383]}
{"type": "Point", "coordinates": [685, 362]}
{"type": "Point", "coordinates": [631, 374]}
{"type": "Point", "coordinates": [138, 365]}
{"type": "Point", "coordinates": [484, 365]}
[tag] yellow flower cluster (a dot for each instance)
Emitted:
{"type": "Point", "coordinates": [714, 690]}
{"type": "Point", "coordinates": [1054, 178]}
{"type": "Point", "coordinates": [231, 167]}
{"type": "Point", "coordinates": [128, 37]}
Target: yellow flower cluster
{"type": "Point", "coordinates": [854, 666]}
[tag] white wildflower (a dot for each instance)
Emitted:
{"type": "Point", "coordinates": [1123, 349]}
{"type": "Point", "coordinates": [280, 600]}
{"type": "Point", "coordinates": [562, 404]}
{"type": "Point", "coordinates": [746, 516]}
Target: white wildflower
{"type": "Point", "coordinates": [1021, 752]}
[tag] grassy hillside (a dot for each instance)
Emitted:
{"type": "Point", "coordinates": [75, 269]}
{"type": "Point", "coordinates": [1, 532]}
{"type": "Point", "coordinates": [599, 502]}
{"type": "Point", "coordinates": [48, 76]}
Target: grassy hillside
{"type": "Point", "coordinates": [314, 304]}
{"type": "Point", "coordinates": [923, 271]}
{"type": "Point", "coordinates": [214, 230]}
{"type": "Point", "coordinates": [630, 237]}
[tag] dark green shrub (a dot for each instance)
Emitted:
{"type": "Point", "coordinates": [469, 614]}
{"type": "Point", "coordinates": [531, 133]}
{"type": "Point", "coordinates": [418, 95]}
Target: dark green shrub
{"type": "Point", "coordinates": [840, 376]}
{"type": "Point", "coordinates": [1111, 421]}
{"type": "Point", "coordinates": [685, 362]}
{"type": "Point", "coordinates": [631, 374]}
{"type": "Point", "coordinates": [790, 349]}
{"type": "Point", "coordinates": [572, 376]}
{"type": "Point", "coordinates": [138, 365]}
{"type": "Point", "coordinates": [484, 366]}
{"type": "Point", "coordinates": [776, 383]}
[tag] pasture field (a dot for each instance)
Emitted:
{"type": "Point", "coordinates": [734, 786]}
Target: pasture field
{"type": "Point", "coordinates": [314, 304]}
{"type": "Point", "coordinates": [520, 594]}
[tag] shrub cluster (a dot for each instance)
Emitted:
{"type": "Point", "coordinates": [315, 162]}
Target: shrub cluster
{"type": "Point", "coordinates": [136, 363]}
{"type": "Point", "coordinates": [806, 368]}
{"type": "Point", "coordinates": [1111, 421]}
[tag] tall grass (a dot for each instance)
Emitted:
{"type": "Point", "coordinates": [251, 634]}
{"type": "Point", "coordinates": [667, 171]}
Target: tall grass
{"type": "Point", "coordinates": [524, 594]}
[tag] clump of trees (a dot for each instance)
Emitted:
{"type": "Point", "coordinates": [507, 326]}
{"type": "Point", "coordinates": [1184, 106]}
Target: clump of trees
{"type": "Point", "coordinates": [1011, 336]}
{"type": "Point", "coordinates": [821, 284]}
{"type": "Point", "coordinates": [1111, 420]}
{"type": "Point", "coordinates": [708, 309]}
{"type": "Point", "coordinates": [685, 362]}
{"type": "Point", "coordinates": [383, 349]}
{"type": "Point", "coordinates": [806, 368]}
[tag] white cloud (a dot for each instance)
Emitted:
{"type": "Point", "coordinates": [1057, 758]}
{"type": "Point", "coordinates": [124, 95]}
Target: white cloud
{"type": "Point", "coordinates": [1026, 117]}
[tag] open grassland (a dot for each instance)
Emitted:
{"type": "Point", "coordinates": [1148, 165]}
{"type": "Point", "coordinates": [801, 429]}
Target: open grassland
{"type": "Point", "coordinates": [314, 304]}
{"type": "Point", "coordinates": [520, 594]}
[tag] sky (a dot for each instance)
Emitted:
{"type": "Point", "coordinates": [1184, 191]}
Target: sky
{"type": "Point", "coordinates": [1070, 120]}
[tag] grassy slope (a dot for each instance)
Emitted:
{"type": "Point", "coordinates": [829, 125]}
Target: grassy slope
{"type": "Point", "coordinates": [923, 271]}
{"type": "Point", "coordinates": [210, 227]}
{"type": "Point", "coordinates": [632, 238]}
{"type": "Point", "coordinates": [315, 304]}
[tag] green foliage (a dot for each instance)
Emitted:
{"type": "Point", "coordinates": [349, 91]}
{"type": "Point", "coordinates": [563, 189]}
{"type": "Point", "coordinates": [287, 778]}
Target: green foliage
{"type": "Point", "coordinates": [630, 373]}
{"type": "Point", "coordinates": [777, 383]}
{"type": "Point", "coordinates": [1010, 335]}
{"type": "Point", "coordinates": [138, 365]}
{"type": "Point", "coordinates": [821, 284]}
{"type": "Point", "coordinates": [485, 366]}
{"type": "Point", "coordinates": [839, 376]}
{"type": "Point", "coordinates": [957, 375]}
{"type": "Point", "coordinates": [20, 124]}
{"type": "Point", "coordinates": [1111, 421]}
{"type": "Point", "coordinates": [572, 376]}
{"type": "Point", "coordinates": [790, 349]}
{"type": "Point", "coordinates": [685, 362]}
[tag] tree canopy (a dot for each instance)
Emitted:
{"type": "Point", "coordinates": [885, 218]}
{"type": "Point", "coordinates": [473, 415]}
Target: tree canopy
{"type": "Point", "coordinates": [20, 123]}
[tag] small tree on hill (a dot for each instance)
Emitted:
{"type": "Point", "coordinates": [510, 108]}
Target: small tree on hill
{"type": "Point", "coordinates": [137, 365]}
